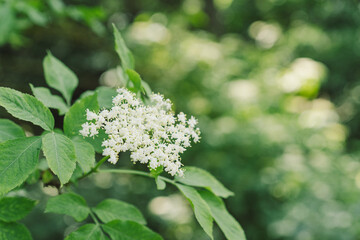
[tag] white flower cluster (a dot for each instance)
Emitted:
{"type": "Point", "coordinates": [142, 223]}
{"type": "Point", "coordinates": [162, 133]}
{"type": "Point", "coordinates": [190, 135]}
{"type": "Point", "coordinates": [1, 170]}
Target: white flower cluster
{"type": "Point", "coordinates": [151, 132]}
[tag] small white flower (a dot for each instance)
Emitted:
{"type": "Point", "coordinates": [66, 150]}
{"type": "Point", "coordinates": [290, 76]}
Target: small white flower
{"type": "Point", "coordinates": [152, 133]}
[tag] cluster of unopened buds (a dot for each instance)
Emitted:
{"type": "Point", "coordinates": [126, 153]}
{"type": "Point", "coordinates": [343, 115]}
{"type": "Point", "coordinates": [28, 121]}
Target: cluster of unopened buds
{"type": "Point", "coordinates": [151, 132]}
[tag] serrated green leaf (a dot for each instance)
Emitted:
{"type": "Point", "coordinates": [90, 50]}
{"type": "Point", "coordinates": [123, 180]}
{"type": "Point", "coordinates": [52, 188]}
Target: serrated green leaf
{"type": "Point", "coordinates": [160, 184]}
{"type": "Point", "coordinates": [59, 76]}
{"type": "Point", "coordinates": [85, 153]}
{"type": "Point", "coordinates": [76, 116]}
{"type": "Point", "coordinates": [13, 230]}
{"type": "Point", "coordinates": [112, 209]}
{"type": "Point", "coordinates": [87, 232]}
{"type": "Point", "coordinates": [9, 130]}
{"type": "Point", "coordinates": [134, 78]}
{"type": "Point", "coordinates": [15, 208]}
{"type": "Point", "coordinates": [26, 107]}
{"type": "Point", "coordinates": [60, 155]}
{"type": "Point", "coordinates": [126, 230]}
{"type": "Point", "coordinates": [198, 177]}
{"type": "Point", "coordinates": [70, 204]}
{"type": "Point", "coordinates": [201, 210]}
{"type": "Point", "coordinates": [226, 222]}
{"type": "Point", "coordinates": [105, 96]}
{"type": "Point", "coordinates": [126, 57]}
{"type": "Point", "coordinates": [18, 159]}
{"type": "Point", "coordinates": [49, 100]}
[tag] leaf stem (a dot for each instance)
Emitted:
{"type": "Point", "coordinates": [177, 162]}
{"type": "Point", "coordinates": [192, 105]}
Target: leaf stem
{"type": "Point", "coordinates": [136, 172]}
{"type": "Point", "coordinates": [94, 218]}
{"type": "Point", "coordinates": [95, 169]}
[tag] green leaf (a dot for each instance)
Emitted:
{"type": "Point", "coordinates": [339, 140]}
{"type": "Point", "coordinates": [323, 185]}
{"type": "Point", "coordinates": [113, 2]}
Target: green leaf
{"type": "Point", "coordinates": [12, 231]}
{"type": "Point", "coordinates": [26, 107]}
{"type": "Point", "coordinates": [76, 174]}
{"type": "Point", "coordinates": [33, 14]}
{"type": "Point", "coordinates": [60, 155]}
{"type": "Point", "coordinates": [97, 141]}
{"type": "Point", "coordinates": [18, 159]}
{"type": "Point", "coordinates": [126, 230]}
{"type": "Point", "coordinates": [87, 232]}
{"type": "Point", "coordinates": [156, 172]}
{"type": "Point", "coordinates": [70, 204]}
{"type": "Point", "coordinates": [85, 94]}
{"type": "Point", "coordinates": [226, 222]}
{"type": "Point", "coordinates": [49, 100]}
{"type": "Point", "coordinates": [146, 88]}
{"type": "Point", "coordinates": [160, 184]}
{"type": "Point", "coordinates": [85, 154]}
{"type": "Point", "coordinates": [57, 6]}
{"type": "Point", "coordinates": [126, 57]}
{"type": "Point", "coordinates": [105, 96]}
{"type": "Point", "coordinates": [7, 20]}
{"type": "Point", "coordinates": [134, 78]}
{"type": "Point", "coordinates": [33, 177]}
{"type": "Point", "coordinates": [198, 177]}
{"type": "Point", "coordinates": [112, 209]}
{"type": "Point", "coordinates": [59, 76]}
{"type": "Point", "coordinates": [9, 130]}
{"type": "Point", "coordinates": [201, 210]}
{"type": "Point", "coordinates": [15, 208]}
{"type": "Point", "coordinates": [76, 116]}
{"type": "Point", "coordinates": [46, 176]}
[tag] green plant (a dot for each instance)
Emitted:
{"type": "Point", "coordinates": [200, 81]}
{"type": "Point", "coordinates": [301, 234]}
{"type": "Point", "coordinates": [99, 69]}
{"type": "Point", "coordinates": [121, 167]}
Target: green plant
{"type": "Point", "coordinates": [68, 158]}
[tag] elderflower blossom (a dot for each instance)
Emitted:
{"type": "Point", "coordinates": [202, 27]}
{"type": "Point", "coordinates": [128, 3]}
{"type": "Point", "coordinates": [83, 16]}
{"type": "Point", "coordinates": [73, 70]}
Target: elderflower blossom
{"type": "Point", "coordinates": [152, 133]}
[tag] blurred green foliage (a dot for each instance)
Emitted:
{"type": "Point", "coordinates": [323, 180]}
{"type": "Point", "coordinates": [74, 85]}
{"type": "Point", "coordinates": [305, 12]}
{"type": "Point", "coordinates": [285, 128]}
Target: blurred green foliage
{"type": "Point", "coordinates": [274, 83]}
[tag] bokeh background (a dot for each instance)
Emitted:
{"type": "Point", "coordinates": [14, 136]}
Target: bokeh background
{"type": "Point", "coordinates": [275, 85]}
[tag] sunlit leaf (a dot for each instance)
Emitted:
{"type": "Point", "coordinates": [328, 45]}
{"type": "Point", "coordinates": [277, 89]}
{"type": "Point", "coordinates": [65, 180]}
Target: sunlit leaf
{"type": "Point", "coordinates": [26, 107]}
{"type": "Point", "coordinates": [60, 155]}
{"type": "Point", "coordinates": [201, 209]}
{"type": "Point", "coordinates": [49, 100]}
{"type": "Point", "coordinates": [59, 76]}
{"type": "Point", "coordinates": [134, 78]}
{"type": "Point", "coordinates": [198, 177]}
{"type": "Point", "coordinates": [126, 57]}
{"type": "Point", "coordinates": [226, 222]}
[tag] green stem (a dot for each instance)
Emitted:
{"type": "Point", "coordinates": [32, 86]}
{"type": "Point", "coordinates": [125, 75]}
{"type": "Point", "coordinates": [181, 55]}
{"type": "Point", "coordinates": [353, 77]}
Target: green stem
{"type": "Point", "coordinates": [135, 172]}
{"type": "Point", "coordinates": [95, 169]}
{"type": "Point", "coordinates": [94, 218]}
